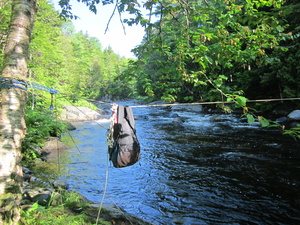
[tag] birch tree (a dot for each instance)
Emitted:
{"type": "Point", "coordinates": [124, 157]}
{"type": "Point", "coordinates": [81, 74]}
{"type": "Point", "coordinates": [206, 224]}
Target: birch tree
{"type": "Point", "coordinates": [13, 95]}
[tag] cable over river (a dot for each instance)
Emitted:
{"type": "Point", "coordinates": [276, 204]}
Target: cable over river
{"type": "Point", "coordinates": [209, 169]}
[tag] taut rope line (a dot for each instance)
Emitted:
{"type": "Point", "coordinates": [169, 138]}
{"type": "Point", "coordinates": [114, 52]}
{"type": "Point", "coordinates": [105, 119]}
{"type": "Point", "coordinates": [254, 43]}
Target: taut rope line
{"type": "Point", "coordinates": [211, 103]}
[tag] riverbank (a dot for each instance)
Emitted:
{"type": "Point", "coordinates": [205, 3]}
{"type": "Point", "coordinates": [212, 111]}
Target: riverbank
{"type": "Point", "coordinates": [202, 148]}
{"type": "Point", "coordinates": [49, 201]}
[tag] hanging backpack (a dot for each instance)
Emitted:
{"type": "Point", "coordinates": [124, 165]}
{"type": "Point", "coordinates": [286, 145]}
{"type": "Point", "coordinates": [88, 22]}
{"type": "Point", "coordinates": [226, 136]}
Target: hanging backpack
{"type": "Point", "coordinates": [123, 145]}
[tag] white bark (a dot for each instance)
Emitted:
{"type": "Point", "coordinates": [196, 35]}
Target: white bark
{"type": "Point", "coordinates": [12, 107]}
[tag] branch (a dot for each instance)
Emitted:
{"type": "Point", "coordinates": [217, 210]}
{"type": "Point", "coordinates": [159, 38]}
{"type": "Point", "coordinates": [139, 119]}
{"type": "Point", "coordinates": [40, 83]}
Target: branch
{"type": "Point", "coordinates": [120, 16]}
{"type": "Point", "coordinates": [116, 7]}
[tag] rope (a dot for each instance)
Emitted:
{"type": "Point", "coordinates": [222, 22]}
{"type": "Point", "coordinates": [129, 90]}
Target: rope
{"type": "Point", "coordinates": [12, 83]}
{"type": "Point", "coordinates": [76, 146]}
{"type": "Point", "coordinates": [211, 103]}
{"type": "Point", "coordinates": [104, 190]}
{"type": "Point", "coordinates": [43, 88]}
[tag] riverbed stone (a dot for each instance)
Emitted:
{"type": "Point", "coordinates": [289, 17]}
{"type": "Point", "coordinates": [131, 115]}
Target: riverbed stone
{"type": "Point", "coordinates": [294, 115]}
{"type": "Point", "coordinates": [70, 126]}
{"type": "Point", "coordinates": [283, 120]}
{"type": "Point", "coordinates": [173, 115]}
{"type": "Point", "coordinates": [178, 120]}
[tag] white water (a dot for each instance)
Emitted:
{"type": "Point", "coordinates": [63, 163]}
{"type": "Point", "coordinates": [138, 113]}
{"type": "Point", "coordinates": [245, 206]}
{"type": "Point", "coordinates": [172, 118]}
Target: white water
{"type": "Point", "coordinates": [212, 169]}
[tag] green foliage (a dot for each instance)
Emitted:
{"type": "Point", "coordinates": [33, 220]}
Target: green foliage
{"type": "Point", "coordinates": [74, 200]}
{"type": "Point", "coordinates": [192, 51]}
{"type": "Point", "coordinates": [41, 123]}
{"type": "Point", "coordinates": [250, 119]}
{"type": "Point", "coordinates": [293, 132]}
{"type": "Point", "coordinates": [209, 41]}
{"type": "Point", "coordinates": [61, 214]}
{"type": "Point", "coordinates": [30, 216]}
{"type": "Point", "coordinates": [219, 41]}
{"type": "Point", "coordinates": [263, 121]}
{"type": "Point", "coordinates": [73, 62]}
{"type": "Point", "coordinates": [5, 15]}
{"type": "Point", "coordinates": [240, 101]}
{"type": "Point", "coordinates": [195, 50]}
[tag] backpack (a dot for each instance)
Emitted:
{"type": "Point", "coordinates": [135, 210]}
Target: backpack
{"type": "Point", "coordinates": [123, 144]}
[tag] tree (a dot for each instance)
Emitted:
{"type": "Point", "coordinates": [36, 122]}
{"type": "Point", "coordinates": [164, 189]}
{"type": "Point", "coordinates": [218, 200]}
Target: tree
{"type": "Point", "coordinates": [206, 44]}
{"type": "Point", "coordinates": [13, 95]}
{"type": "Point", "coordinates": [46, 55]}
{"type": "Point", "coordinates": [5, 14]}
{"type": "Point", "coordinates": [13, 100]}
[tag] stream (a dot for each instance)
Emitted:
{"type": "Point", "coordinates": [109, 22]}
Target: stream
{"type": "Point", "coordinates": [210, 169]}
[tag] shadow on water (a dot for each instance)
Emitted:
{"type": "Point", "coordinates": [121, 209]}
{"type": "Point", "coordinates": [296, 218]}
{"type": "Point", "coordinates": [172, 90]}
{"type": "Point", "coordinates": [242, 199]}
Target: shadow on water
{"type": "Point", "coordinates": [210, 169]}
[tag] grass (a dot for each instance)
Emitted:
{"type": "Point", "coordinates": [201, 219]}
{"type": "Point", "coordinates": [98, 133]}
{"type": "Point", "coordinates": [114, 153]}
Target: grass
{"type": "Point", "coordinates": [65, 208]}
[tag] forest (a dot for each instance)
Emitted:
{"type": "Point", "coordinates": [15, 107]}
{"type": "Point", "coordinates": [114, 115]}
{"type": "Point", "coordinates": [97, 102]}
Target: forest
{"type": "Point", "coordinates": [206, 51]}
{"type": "Point", "coordinates": [71, 62]}
{"type": "Point", "coordinates": [192, 51]}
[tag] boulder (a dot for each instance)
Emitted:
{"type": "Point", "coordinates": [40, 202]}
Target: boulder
{"type": "Point", "coordinates": [173, 115]}
{"type": "Point", "coordinates": [42, 199]}
{"type": "Point", "coordinates": [283, 120]}
{"type": "Point", "coordinates": [71, 126]}
{"type": "Point", "coordinates": [60, 184]}
{"type": "Point", "coordinates": [104, 107]}
{"type": "Point", "coordinates": [26, 170]}
{"type": "Point", "coordinates": [40, 195]}
{"type": "Point", "coordinates": [178, 120]}
{"type": "Point", "coordinates": [29, 178]}
{"type": "Point", "coordinates": [73, 113]}
{"type": "Point", "coordinates": [118, 216]}
{"type": "Point", "coordinates": [53, 144]}
{"type": "Point", "coordinates": [294, 115]}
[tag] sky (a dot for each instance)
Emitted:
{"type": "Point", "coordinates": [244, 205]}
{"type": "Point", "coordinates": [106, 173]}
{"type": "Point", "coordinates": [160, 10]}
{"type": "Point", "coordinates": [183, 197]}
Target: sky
{"type": "Point", "coordinates": [95, 26]}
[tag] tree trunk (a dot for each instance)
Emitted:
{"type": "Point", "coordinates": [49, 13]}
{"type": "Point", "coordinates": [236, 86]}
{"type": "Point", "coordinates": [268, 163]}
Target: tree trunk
{"type": "Point", "coordinates": [12, 108]}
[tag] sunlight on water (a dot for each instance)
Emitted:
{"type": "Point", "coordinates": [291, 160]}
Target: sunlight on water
{"type": "Point", "coordinates": [210, 169]}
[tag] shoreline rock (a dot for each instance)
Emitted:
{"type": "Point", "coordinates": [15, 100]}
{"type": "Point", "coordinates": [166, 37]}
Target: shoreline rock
{"type": "Point", "coordinates": [117, 215]}
{"type": "Point", "coordinates": [74, 113]}
{"type": "Point", "coordinates": [51, 194]}
{"type": "Point", "coordinates": [292, 120]}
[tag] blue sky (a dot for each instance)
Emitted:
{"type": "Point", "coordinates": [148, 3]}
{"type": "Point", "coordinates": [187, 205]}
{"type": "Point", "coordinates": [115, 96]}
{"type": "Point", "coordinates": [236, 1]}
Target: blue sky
{"type": "Point", "coordinates": [95, 26]}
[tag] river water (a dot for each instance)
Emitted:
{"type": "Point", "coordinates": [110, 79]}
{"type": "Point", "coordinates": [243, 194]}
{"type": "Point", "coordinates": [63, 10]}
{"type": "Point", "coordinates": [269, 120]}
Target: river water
{"type": "Point", "coordinates": [211, 169]}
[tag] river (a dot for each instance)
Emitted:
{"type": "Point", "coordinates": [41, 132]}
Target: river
{"type": "Point", "coordinates": [210, 169]}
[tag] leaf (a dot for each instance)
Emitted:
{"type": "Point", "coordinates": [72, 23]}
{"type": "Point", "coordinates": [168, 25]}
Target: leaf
{"type": "Point", "coordinates": [223, 77]}
{"type": "Point", "coordinates": [263, 121]}
{"type": "Point", "coordinates": [208, 59]}
{"type": "Point", "coordinates": [200, 83]}
{"type": "Point", "coordinates": [241, 101]}
{"type": "Point", "coordinates": [250, 119]}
